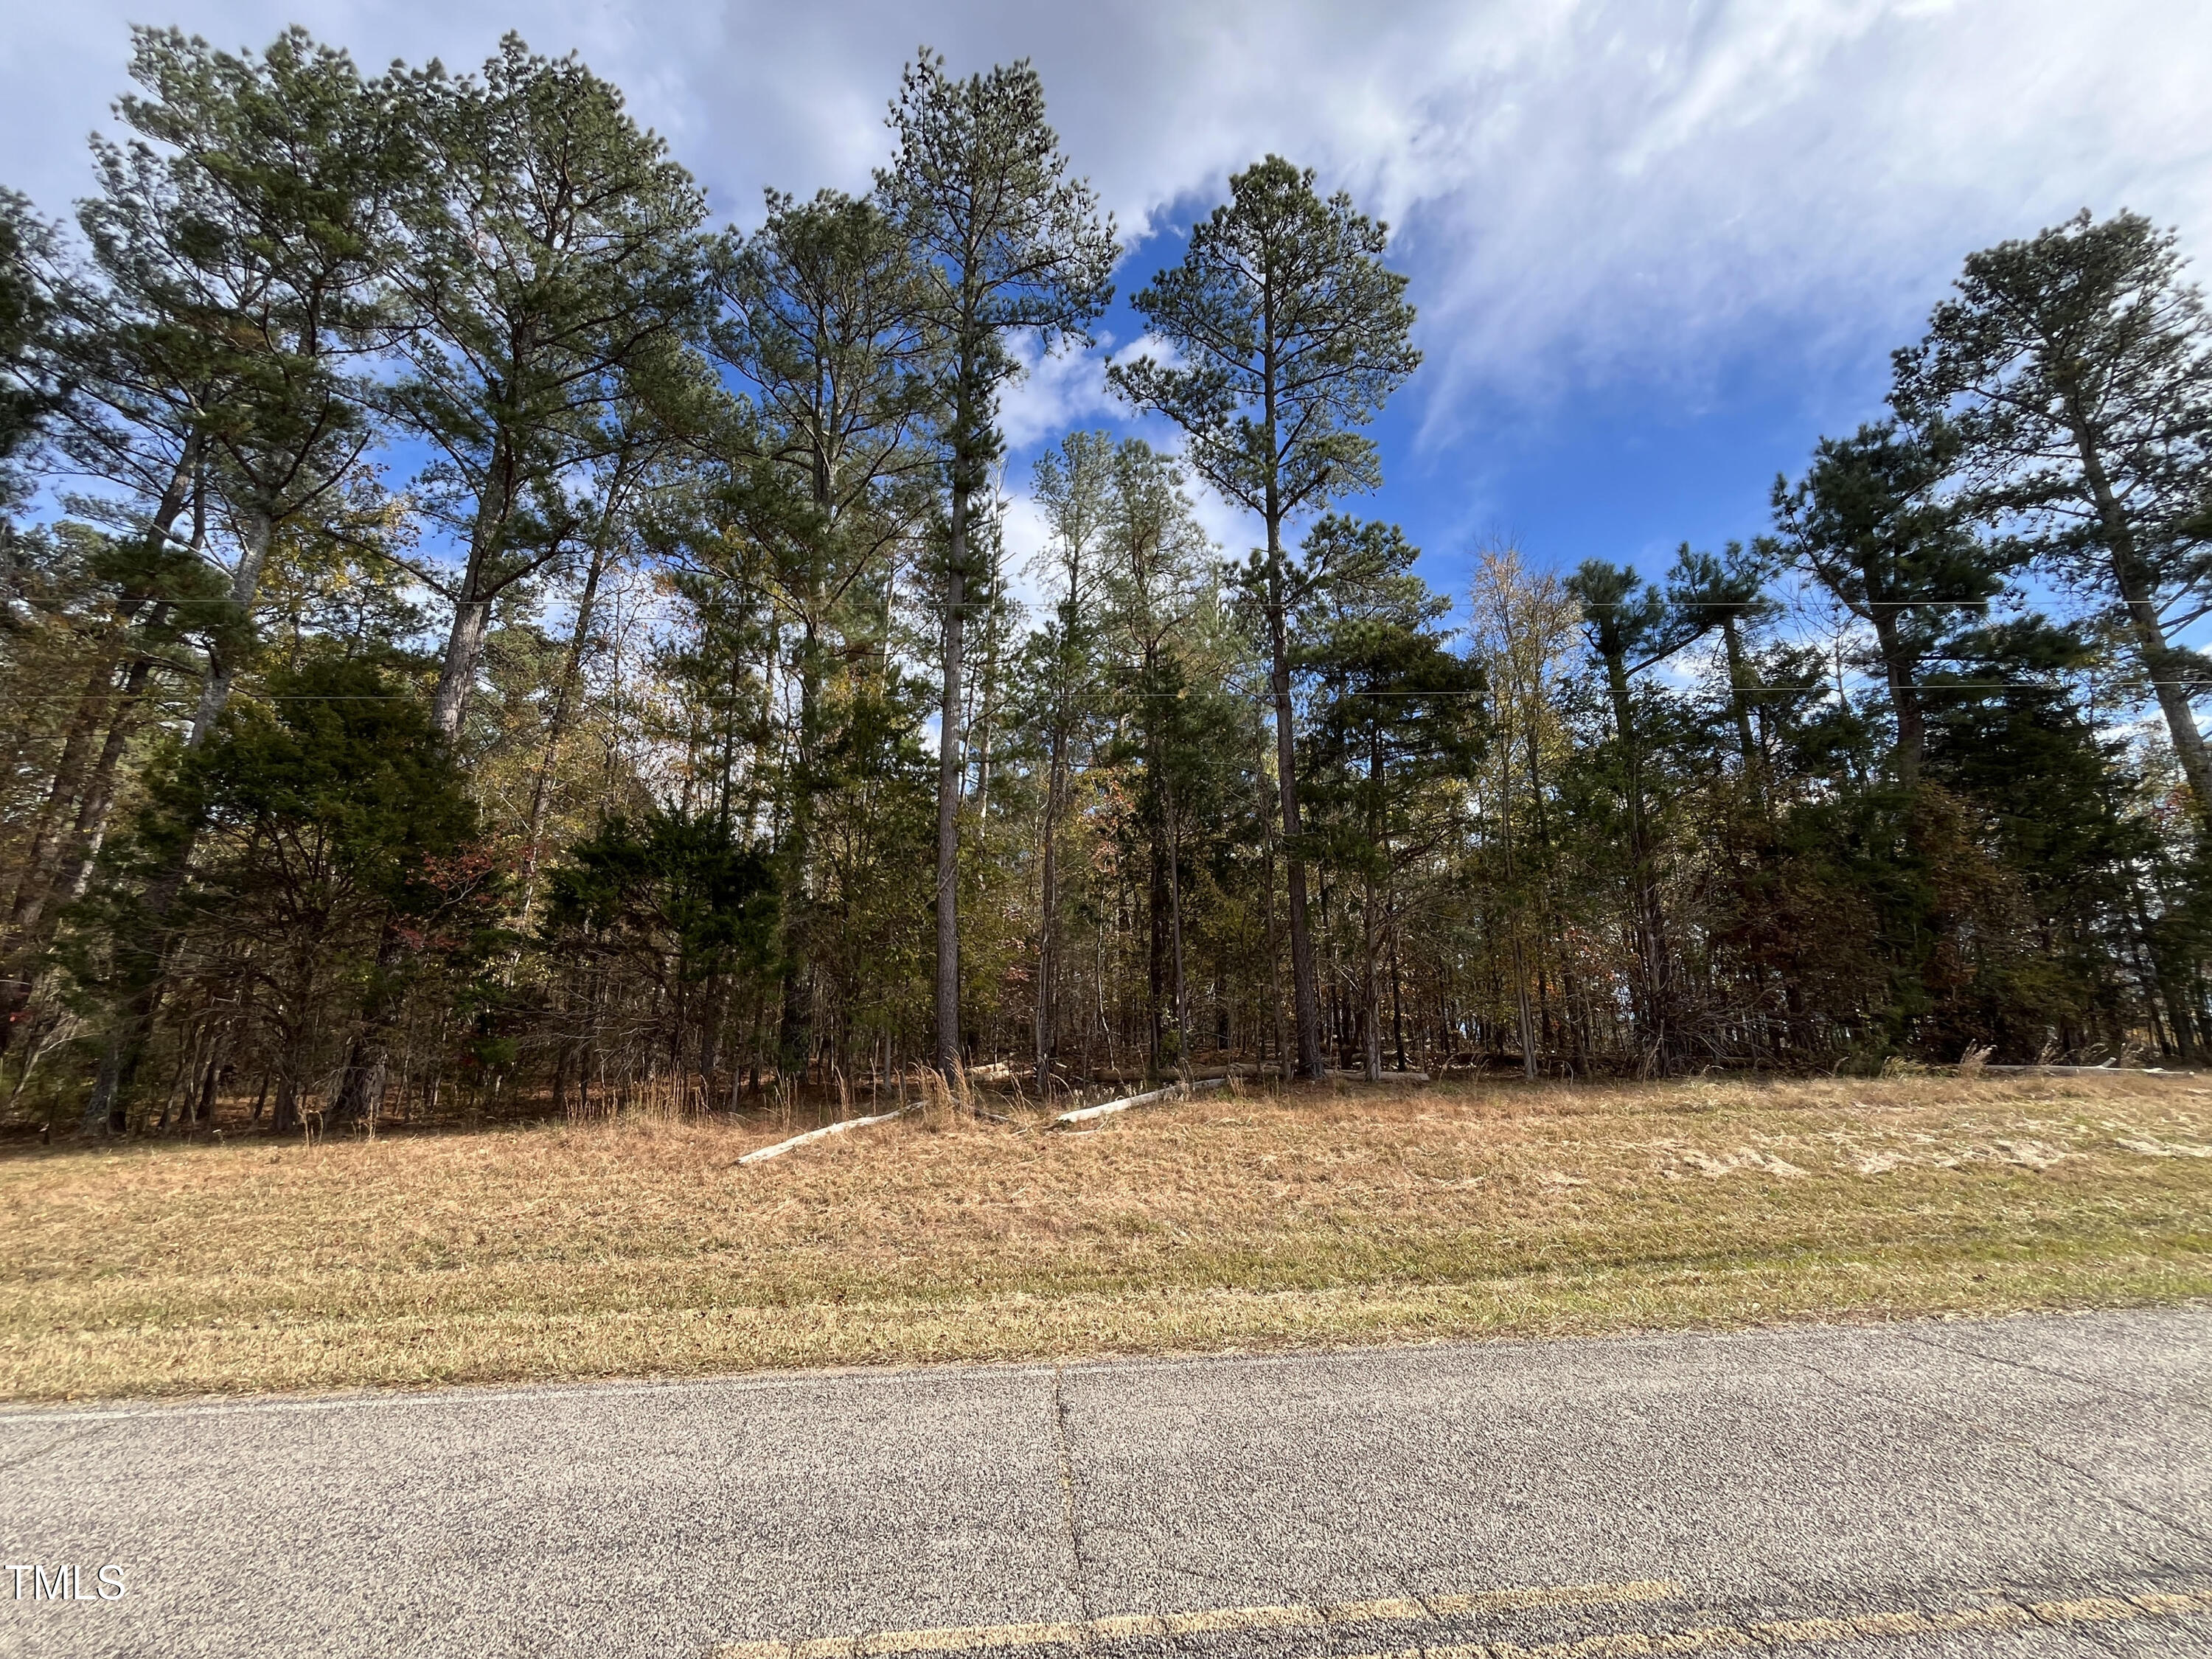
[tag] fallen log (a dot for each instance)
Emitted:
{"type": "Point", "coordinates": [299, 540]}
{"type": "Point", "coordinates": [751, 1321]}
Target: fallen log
{"type": "Point", "coordinates": [1173, 1091]}
{"type": "Point", "coordinates": [763, 1154]}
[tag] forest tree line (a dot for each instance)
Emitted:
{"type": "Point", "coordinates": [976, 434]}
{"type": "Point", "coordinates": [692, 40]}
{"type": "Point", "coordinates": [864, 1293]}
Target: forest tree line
{"type": "Point", "coordinates": [475, 630]}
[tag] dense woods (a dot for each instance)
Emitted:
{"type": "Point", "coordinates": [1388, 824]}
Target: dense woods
{"type": "Point", "coordinates": [477, 634]}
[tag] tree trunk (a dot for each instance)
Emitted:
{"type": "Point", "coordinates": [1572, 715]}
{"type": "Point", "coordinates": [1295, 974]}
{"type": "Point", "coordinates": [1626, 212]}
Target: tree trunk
{"type": "Point", "coordinates": [795, 1036]}
{"type": "Point", "coordinates": [1656, 1003]}
{"type": "Point", "coordinates": [106, 1108]}
{"type": "Point", "coordinates": [286, 1117]}
{"type": "Point", "coordinates": [1527, 1024]}
{"type": "Point", "coordinates": [1311, 1062]}
{"type": "Point", "coordinates": [1369, 928]}
{"type": "Point", "coordinates": [1049, 906]}
{"type": "Point", "coordinates": [1397, 1000]}
{"type": "Point", "coordinates": [259, 530]}
{"type": "Point", "coordinates": [369, 1059]}
{"type": "Point", "coordinates": [1740, 702]}
{"type": "Point", "coordinates": [42, 845]}
{"type": "Point", "coordinates": [1898, 667]}
{"type": "Point", "coordinates": [1268, 801]}
{"type": "Point", "coordinates": [456, 672]}
{"type": "Point", "coordinates": [464, 641]}
{"type": "Point", "coordinates": [49, 881]}
{"type": "Point", "coordinates": [91, 825]}
{"type": "Point", "coordinates": [1370, 989]}
{"type": "Point", "coordinates": [46, 867]}
{"type": "Point", "coordinates": [1156, 945]}
{"type": "Point", "coordinates": [949, 767]}
{"type": "Point", "coordinates": [2143, 621]}
{"type": "Point", "coordinates": [1174, 924]}
{"type": "Point", "coordinates": [572, 667]}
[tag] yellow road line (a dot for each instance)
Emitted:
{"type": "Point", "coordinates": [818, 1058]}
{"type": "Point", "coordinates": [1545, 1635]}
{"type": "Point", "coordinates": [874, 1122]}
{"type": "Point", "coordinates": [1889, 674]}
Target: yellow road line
{"type": "Point", "coordinates": [1615, 1644]}
{"type": "Point", "coordinates": [1556, 1595]}
{"type": "Point", "coordinates": [975, 1638]}
{"type": "Point", "coordinates": [1857, 1627]}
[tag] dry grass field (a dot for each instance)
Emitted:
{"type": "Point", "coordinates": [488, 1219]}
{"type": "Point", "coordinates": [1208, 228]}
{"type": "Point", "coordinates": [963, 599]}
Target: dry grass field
{"type": "Point", "coordinates": [639, 1246]}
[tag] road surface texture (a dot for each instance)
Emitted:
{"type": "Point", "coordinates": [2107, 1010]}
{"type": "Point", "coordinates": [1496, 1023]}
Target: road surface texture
{"type": "Point", "coordinates": [2021, 1487]}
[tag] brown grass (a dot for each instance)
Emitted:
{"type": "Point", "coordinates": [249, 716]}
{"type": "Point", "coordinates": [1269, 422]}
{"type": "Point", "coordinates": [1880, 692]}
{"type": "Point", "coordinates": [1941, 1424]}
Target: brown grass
{"type": "Point", "coordinates": [1352, 1215]}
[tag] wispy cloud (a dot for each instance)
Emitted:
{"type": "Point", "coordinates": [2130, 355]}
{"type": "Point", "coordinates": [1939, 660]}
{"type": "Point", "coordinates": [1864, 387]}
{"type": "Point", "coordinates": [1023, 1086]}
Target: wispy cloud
{"type": "Point", "coordinates": [1055, 390]}
{"type": "Point", "coordinates": [1583, 189]}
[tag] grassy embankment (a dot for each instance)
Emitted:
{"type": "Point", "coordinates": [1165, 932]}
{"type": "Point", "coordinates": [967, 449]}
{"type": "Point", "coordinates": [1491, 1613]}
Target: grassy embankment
{"type": "Point", "coordinates": [1350, 1215]}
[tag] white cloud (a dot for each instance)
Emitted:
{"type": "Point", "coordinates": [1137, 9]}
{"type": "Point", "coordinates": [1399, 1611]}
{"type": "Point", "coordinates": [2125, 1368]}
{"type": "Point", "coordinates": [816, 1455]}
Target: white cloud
{"type": "Point", "coordinates": [1652, 189]}
{"type": "Point", "coordinates": [1055, 390]}
{"type": "Point", "coordinates": [1026, 534]}
{"type": "Point", "coordinates": [1584, 189]}
{"type": "Point", "coordinates": [1229, 527]}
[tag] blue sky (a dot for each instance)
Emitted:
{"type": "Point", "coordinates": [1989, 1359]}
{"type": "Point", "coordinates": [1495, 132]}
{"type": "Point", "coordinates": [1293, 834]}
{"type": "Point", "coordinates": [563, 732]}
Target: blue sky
{"type": "Point", "coordinates": [1658, 248]}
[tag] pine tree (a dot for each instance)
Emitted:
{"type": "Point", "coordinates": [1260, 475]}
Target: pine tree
{"type": "Point", "coordinates": [1007, 242]}
{"type": "Point", "coordinates": [1292, 333]}
{"type": "Point", "coordinates": [1867, 522]}
{"type": "Point", "coordinates": [244, 241]}
{"type": "Point", "coordinates": [552, 255]}
{"type": "Point", "coordinates": [2076, 368]}
{"type": "Point", "coordinates": [820, 321]}
{"type": "Point", "coordinates": [1632, 629]}
{"type": "Point", "coordinates": [1398, 721]}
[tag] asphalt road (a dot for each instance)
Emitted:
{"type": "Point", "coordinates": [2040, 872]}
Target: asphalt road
{"type": "Point", "coordinates": [2034, 1485]}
